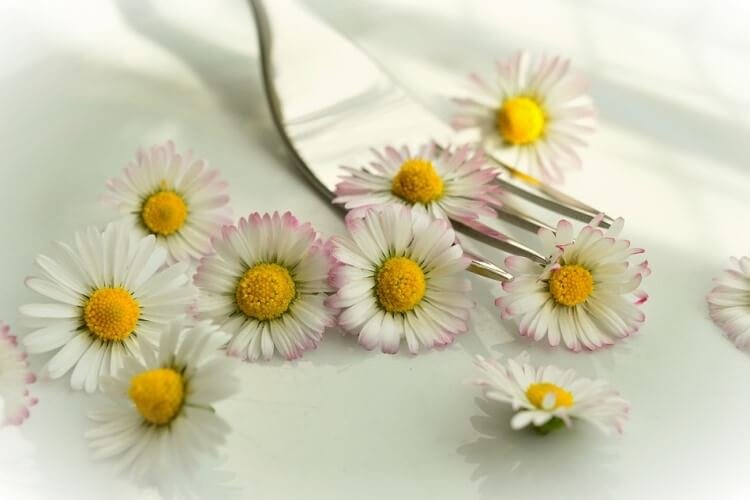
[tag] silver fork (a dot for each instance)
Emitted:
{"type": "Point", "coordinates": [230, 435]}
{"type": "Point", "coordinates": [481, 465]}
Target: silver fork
{"type": "Point", "coordinates": [332, 104]}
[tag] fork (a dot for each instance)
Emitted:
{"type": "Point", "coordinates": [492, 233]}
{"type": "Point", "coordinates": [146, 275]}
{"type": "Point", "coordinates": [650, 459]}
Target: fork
{"type": "Point", "coordinates": [332, 104]}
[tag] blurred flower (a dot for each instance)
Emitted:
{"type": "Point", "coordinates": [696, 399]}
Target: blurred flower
{"type": "Point", "coordinates": [266, 286]}
{"type": "Point", "coordinates": [587, 296]}
{"type": "Point", "coordinates": [401, 275]}
{"type": "Point", "coordinates": [158, 413]}
{"type": "Point", "coordinates": [729, 302]}
{"type": "Point", "coordinates": [548, 398]}
{"type": "Point", "coordinates": [531, 115]}
{"type": "Point", "coordinates": [110, 296]}
{"type": "Point", "coordinates": [174, 197]}
{"type": "Point", "coordinates": [14, 376]}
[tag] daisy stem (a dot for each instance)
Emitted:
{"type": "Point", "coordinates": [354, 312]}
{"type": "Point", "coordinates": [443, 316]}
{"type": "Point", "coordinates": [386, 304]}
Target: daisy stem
{"type": "Point", "coordinates": [552, 425]}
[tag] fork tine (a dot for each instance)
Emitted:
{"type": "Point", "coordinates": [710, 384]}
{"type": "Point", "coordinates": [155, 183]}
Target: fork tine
{"type": "Point", "coordinates": [546, 196]}
{"type": "Point", "coordinates": [520, 219]}
{"type": "Point", "coordinates": [492, 237]}
{"type": "Point", "coordinates": [486, 269]}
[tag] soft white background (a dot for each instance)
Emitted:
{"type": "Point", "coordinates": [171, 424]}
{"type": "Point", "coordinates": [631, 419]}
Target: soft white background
{"type": "Point", "coordinates": [83, 83]}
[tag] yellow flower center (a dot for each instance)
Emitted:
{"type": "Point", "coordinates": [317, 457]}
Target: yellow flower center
{"type": "Point", "coordinates": [571, 284]}
{"type": "Point", "coordinates": [520, 120]}
{"type": "Point", "coordinates": [417, 182]}
{"type": "Point", "coordinates": [164, 213]}
{"type": "Point", "coordinates": [158, 394]}
{"type": "Point", "coordinates": [265, 291]}
{"type": "Point", "coordinates": [111, 313]}
{"type": "Point", "coordinates": [554, 396]}
{"type": "Point", "coordinates": [400, 285]}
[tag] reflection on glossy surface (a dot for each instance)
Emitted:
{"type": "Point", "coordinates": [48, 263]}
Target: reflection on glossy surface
{"type": "Point", "coordinates": [542, 466]}
{"type": "Point", "coordinates": [211, 480]}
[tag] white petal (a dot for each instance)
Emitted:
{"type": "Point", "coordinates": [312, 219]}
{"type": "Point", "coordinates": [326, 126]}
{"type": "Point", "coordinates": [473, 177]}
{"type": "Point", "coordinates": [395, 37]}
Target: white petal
{"type": "Point", "coordinates": [69, 355]}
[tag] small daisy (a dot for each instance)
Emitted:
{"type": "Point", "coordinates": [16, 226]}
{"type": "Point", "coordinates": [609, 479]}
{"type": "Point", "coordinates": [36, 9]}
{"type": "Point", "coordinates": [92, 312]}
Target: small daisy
{"type": "Point", "coordinates": [532, 115]}
{"type": "Point", "coordinates": [158, 412]}
{"type": "Point", "coordinates": [14, 376]}
{"type": "Point", "coordinates": [587, 296]}
{"type": "Point", "coordinates": [266, 286]}
{"type": "Point", "coordinates": [110, 294]}
{"type": "Point", "coordinates": [174, 197]}
{"type": "Point", "coordinates": [729, 302]}
{"type": "Point", "coordinates": [548, 397]}
{"type": "Point", "coordinates": [401, 275]}
{"type": "Point", "coordinates": [444, 184]}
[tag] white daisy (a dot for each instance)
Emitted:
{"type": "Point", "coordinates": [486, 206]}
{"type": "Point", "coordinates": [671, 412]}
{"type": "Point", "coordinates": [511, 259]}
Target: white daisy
{"type": "Point", "coordinates": [266, 285]}
{"type": "Point", "coordinates": [110, 294]}
{"type": "Point", "coordinates": [401, 275]}
{"type": "Point", "coordinates": [158, 412]}
{"type": "Point", "coordinates": [444, 184]}
{"type": "Point", "coordinates": [729, 302]}
{"type": "Point", "coordinates": [587, 296]}
{"type": "Point", "coordinates": [548, 397]}
{"type": "Point", "coordinates": [174, 197]}
{"type": "Point", "coordinates": [14, 376]}
{"type": "Point", "coordinates": [532, 115]}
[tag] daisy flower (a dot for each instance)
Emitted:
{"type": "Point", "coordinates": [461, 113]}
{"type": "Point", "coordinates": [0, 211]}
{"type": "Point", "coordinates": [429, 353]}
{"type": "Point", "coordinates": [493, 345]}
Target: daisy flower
{"type": "Point", "coordinates": [444, 184]}
{"type": "Point", "coordinates": [14, 376]}
{"type": "Point", "coordinates": [587, 296]}
{"type": "Point", "coordinates": [548, 397]}
{"type": "Point", "coordinates": [532, 115]}
{"type": "Point", "coordinates": [158, 411]}
{"type": "Point", "coordinates": [174, 197]}
{"type": "Point", "coordinates": [729, 302]}
{"type": "Point", "coordinates": [110, 293]}
{"type": "Point", "coordinates": [266, 286]}
{"type": "Point", "coordinates": [401, 275]}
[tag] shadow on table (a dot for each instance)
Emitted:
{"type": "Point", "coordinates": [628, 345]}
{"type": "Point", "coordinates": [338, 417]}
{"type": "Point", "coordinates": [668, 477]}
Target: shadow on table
{"type": "Point", "coordinates": [336, 349]}
{"type": "Point", "coordinates": [570, 463]}
{"type": "Point", "coordinates": [212, 481]}
{"type": "Point", "coordinates": [233, 77]}
{"type": "Point", "coordinates": [341, 350]}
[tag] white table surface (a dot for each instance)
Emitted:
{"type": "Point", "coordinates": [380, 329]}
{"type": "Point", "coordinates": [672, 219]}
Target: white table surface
{"type": "Point", "coordinates": [83, 83]}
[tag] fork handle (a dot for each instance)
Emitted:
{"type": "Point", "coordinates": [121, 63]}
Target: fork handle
{"type": "Point", "coordinates": [265, 14]}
